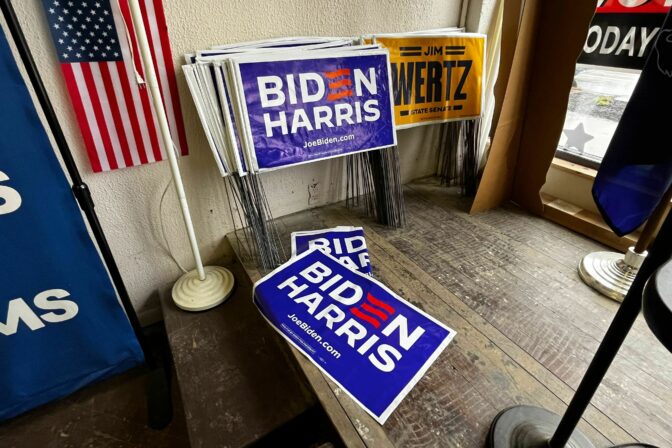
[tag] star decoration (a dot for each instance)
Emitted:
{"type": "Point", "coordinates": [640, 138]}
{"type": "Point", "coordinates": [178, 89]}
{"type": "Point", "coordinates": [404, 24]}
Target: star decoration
{"type": "Point", "coordinates": [577, 138]}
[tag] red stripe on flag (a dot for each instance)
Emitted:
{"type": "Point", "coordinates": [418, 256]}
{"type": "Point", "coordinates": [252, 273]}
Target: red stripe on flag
{"type": "Point", "coordinates": [100, 118]}
{"type": "Point", "coordinates": [156, 133]}
{"type": "Point", "coordinates": [168, 60]}
{"type": "Point", "coordinates": [128, 21]}
{"type": "Point", "coordinates": [150, 40]}
{"type": "Point", "coordinates": [144, 98]}
{"type": "Point", "coordinates": [151, 129]}
{"type": "Point", "coordinates": [116, 113]}
{"type": "Point", "coordinates": [76, 100]}
{"type": "Point", "coordinates": [132, 115]}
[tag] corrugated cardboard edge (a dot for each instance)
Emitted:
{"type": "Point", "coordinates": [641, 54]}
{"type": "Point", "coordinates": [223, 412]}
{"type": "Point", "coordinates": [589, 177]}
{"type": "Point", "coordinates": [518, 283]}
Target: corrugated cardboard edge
{"type": "Point", "coordinates": [548, 42]}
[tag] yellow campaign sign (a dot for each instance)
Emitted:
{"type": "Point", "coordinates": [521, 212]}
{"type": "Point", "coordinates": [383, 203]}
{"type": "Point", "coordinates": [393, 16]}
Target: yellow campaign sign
{"type": "Point", "coordinates": [436, 78]}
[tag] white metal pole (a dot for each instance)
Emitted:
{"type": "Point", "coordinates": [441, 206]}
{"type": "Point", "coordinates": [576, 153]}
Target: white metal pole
{"type": "Point", "coordinates": [155, 93]}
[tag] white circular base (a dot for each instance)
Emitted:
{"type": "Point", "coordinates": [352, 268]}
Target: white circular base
{"type": "Point", "coordinates": [610, 273]}
{"type": "Point", "coordinates": [192, 294]}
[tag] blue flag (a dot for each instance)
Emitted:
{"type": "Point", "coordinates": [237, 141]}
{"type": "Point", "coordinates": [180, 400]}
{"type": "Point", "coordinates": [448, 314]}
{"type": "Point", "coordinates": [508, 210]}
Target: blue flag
{"type": "Point", "coordinates": [61, 323]}
{"type": "Point", "coordinates": [375, 345]}
{"type": "Point", "coordinates": [637, 168]}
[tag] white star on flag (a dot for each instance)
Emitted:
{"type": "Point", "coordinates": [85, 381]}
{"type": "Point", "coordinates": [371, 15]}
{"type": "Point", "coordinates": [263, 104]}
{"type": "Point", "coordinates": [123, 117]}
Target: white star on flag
{"type": "Point", "coordinates": [104, 77]}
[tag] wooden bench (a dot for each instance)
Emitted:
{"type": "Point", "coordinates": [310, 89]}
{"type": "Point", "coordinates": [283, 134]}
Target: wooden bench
{"type": "Point", "coordinates": [236, 379]}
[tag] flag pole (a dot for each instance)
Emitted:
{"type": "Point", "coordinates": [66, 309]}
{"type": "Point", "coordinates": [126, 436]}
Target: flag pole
{"type": "Point", "coordinates": [204, 287]}
{"type": "Point", "coordinates": [612, 273]}
{"type": "Point", "coordinates": [79, 188]}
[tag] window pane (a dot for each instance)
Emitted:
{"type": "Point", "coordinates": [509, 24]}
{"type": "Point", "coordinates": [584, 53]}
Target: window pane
{"type": "Point", "coordinates": [596, 102]}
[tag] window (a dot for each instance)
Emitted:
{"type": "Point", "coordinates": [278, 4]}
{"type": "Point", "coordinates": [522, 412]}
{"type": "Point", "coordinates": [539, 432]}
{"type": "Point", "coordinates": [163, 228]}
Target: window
{"type": "Point", "coordinates": [620, 37]}
{"type": "Point", "coordinates": [596, 102]}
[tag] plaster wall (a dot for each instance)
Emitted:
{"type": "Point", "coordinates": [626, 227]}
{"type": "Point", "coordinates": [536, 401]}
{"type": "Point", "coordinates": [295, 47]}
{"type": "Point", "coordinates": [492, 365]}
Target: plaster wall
{"type": "Point", "coordinates": [127, 201]}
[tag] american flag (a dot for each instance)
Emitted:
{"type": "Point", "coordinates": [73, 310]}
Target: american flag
{"type": "Point", "coordinates": [100, 60]}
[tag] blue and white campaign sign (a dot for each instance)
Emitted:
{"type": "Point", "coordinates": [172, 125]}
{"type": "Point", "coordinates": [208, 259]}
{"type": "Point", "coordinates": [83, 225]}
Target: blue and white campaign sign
{"type": "Point", "coordinates": [306, 106]}
{"type": "Point", "coordinates": [61, 324]}
{"type": "Point", "coordinates": [371, 342]}
{"type": "Point", "coordinates": [345, 243]}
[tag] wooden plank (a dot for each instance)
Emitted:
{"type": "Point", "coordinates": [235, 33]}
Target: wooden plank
{"type": "Point", "coordinates": [582, 298]}
{"type": "Point", "coordinates": [645, 368]}
{"type": "Point", "coordinates": [574, 168]}
{"type": "Point", "coordinates": [527, 326]}
{"type": "Point", "coordinates": [462, 404]}
{"type": "Point", "coordinates": [236, 382]}
{"type": "Point", "coordinates": [585, 222]}
{"type": "Point", "coordinates": [577, 296]}
{"type": "Point", "coordinates": [527, 381]}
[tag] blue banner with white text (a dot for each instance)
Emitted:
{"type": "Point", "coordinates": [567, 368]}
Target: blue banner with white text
{"type": "Point", "coordinates": [345, 243]}
{"type": "Point", "coordinates": [316, 108]}
{"type": "Point", "coordinates": [61, 323]}
{"type": "Point", "coordinates": [372, 343]}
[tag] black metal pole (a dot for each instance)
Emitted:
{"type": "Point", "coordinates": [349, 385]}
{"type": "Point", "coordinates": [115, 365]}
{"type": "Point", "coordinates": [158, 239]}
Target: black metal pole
{"type": "Point", "coordinates": [661, 251]}
{"type": "Point", "coordinates": [79, 188]}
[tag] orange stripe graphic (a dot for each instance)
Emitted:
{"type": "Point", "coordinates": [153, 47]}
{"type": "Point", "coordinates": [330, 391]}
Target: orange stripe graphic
{"type": "Point", "coordinates": [341, 83]}
{"type": "Point", "coordinates": [337, 73]}
{"type": "Point", "coordinates": [339, 95]}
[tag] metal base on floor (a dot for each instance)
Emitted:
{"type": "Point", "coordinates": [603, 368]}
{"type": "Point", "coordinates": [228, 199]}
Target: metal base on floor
{"type": "Point", "coordinates": [192, 294]}
{"type": "Point", "coordinates": [635, 445]}
{"type": "Point", "coordinates": [611, 273]}
{"type": "Point", "coordinates": [529, 427]}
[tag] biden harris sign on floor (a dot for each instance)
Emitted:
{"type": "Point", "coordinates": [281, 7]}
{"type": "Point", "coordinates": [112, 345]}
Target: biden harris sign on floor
{"type": "Point", "coordinates": [309, 106]}
{"type": "Point", "coordinates": [345, 243]}
{"type": "Point", "coordinates": [61, 324]}
{"type": "Point", "coordinates": [371, 342]}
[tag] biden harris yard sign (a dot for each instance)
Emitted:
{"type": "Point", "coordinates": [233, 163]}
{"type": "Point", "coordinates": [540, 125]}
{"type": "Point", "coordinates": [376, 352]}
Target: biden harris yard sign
{"type": "Point", "coordinates": [309, 106]}
{"type": "Point", "coordinates": [345, 243]}
{"type": "Point", "coordinates": [372, 343]}
{"type": "Point", "coordinates": [61, 324]}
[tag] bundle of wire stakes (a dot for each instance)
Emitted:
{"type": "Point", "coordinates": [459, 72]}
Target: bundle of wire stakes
{"type": "Point", "coordinates": [373, 182]}
{"type": "Point", "coordinates": [457, 162]}
{"type": "Point", "coordinates": [251, 215]}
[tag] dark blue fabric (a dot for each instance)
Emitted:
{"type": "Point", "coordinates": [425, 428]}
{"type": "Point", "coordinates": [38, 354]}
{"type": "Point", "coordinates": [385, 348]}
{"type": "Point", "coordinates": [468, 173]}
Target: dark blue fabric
{"type": "Point", "coordinates": [637, 168]}
{"type": "Point", "coordinates": [61, 324]}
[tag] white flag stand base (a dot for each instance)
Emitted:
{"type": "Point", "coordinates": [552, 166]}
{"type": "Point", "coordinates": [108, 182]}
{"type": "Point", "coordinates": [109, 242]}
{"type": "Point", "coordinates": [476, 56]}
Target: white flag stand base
{"type": "Point", "coordinates": [611, 273]}
{"type": "Point", "coordinates": [190, 293]}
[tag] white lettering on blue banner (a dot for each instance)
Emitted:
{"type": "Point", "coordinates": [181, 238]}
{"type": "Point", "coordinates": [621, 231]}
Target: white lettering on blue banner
{"type": "Point", "coordinates": [375, 345]}
{"type": "Point", "coordinates": [347, 244]}
{"type": "Point", "coordinates": [312, 106]}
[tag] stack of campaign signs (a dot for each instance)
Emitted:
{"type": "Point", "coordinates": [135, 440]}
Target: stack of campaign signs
{"type": "Point", "coordinates": [372, 343]}
{"type": "Point", "coordinates": [277, 103]}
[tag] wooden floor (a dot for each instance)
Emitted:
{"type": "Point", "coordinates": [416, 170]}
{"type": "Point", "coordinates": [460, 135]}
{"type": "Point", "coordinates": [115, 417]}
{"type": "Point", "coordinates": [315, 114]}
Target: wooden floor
{"type": "Point", "coordinates": [109, 414]}
{"type": "Point", "coordinates": [526, 325]}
